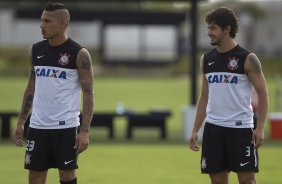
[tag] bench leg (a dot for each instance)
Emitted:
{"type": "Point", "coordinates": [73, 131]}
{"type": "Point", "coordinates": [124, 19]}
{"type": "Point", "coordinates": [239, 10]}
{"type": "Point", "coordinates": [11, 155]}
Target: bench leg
{"type": "Point", "coordinates": [163, 131]}
{"type": "Point", "coordinates": [6, 127]}
{"type": "Point", "coordinates": [129, 131]}
{"type": "Point", "coordinates": [111, 132]}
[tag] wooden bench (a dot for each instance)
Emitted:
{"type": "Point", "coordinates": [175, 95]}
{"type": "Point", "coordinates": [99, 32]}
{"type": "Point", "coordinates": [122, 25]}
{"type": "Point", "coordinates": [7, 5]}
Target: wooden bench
{"type": "Point", "coordinates": [150, 120]}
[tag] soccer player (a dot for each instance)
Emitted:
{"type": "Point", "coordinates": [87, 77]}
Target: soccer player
{"type": "Point", "coordinates": [229, 72]}
{"type": "Point", "coordinates": [59, 68]}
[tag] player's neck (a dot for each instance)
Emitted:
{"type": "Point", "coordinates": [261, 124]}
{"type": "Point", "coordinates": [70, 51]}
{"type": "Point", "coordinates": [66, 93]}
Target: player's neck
{"type": "Point", "coordinates": [226, 45]}
{"type": "Point", "coordinates": [56, 41]}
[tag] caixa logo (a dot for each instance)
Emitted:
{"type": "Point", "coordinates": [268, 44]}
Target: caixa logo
{"type": "Point", "coordinates": [223, 79]}
{"type": "Point", "coordinates": [47, 72]}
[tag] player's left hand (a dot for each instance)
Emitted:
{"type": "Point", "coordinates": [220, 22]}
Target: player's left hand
{"type": "Point", "coordinates": [258, 137]}
{"type": "Point", "coordinates": [81, 142]}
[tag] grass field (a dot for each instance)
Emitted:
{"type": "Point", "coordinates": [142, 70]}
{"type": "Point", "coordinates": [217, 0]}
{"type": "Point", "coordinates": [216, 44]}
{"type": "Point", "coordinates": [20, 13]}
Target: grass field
{"type": "Point", "coordinates": [138, 164]}
{"type": "Point", "coordinates": [145, 159]}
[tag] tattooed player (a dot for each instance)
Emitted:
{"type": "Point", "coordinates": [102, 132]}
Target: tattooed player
{"type": "Point", "coordinates": [59, 68]}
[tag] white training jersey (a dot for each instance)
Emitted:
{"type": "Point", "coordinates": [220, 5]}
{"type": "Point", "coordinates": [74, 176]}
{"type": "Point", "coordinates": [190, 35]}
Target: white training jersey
{"type": "Point", "coordinates": [229, 100]}
{"type": "Point", "coordinates": [56, 103]}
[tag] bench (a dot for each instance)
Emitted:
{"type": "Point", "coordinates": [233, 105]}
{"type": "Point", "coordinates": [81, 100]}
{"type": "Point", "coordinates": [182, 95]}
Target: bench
{"type": "Point", "coordinates": [6, 123]}
{"type": "Point", "coordinates": [150, 120]}
{"type": "Point", "coordinates": [103, 120]}
{"type": "Point", "coordinates": [98, 120]}
{"type": "Point", "coordinates": [135, 120]}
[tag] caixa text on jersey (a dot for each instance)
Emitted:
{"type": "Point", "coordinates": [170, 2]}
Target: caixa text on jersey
{"type": "Point", "coordinates": [47, 72]}
{"type": "Point", "coordinates": [220, 78]}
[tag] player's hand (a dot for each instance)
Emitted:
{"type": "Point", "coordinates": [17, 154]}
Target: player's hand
{"type": "Point", "coordinates": [192, 142]}
{"type": "Point", "coordinates": [18, 134]}
{"type": "Point", "coordinates": [258, 137]}
{"type": "Point", "coordinates": [81, 142]}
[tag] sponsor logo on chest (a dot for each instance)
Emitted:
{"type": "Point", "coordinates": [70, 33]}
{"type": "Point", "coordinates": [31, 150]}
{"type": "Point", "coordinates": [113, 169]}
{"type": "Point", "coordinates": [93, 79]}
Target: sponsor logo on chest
{"type": "Point", "coordinates": [53, 73]}
{"type": "Point", "coordinates": [220, 78]}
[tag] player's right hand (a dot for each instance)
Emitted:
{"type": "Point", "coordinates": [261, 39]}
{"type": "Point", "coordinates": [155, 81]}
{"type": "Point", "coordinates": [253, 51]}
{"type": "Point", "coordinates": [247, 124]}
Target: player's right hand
{"type": "Point", "coordinates": [18, 134]}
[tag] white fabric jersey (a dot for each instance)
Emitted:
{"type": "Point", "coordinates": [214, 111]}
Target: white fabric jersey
{"type": "Point", "coordinates": [229, 104]}
{"type": "Point", "coordinates": [229, 100]}
{"type": "Point", "coordinates": [56, 103]}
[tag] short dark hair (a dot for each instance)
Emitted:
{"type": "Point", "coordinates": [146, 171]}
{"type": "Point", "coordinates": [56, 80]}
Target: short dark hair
{"type": "Point", "coordinates": [224, 17]}
{"type": "Point", "coordinates": [54, 6]}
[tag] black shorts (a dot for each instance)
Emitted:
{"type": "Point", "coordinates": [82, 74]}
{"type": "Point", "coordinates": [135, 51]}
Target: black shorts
{"type": "Point", "coordinates": [51, 149]}
{"type": "Point", "coordinates": [228, 149]}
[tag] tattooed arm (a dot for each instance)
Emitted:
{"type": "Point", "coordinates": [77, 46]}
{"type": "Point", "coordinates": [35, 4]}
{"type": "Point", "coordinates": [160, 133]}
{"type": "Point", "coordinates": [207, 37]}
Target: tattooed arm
{"type": "Point", "coordinates": [26, 104]}
{"type": "Point", "coordinates": [255, 74]}
{"type": "Point", "coordinates": [86, 77]}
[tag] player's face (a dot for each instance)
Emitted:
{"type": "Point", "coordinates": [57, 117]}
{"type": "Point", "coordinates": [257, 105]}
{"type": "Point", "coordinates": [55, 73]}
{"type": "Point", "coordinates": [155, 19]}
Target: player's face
{"type": "Point", "coordinates": [51, 25]}
{"type": "Point", "coordinates": [215, 33]}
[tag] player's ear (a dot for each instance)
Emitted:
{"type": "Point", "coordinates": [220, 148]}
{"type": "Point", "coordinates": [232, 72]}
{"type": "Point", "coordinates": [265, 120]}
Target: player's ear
{"type": "Point", "coordinates": [64, 23]}
{"type": "Point", "coordinates": [227, 29]}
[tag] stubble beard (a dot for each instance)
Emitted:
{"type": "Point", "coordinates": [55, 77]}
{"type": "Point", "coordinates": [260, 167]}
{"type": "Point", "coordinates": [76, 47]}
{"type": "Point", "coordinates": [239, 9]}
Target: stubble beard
{"type": "Point", "coordinates": [214, 42]}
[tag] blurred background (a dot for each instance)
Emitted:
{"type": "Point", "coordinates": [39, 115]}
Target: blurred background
{"type": "Point", "coordinates": [145, 55]}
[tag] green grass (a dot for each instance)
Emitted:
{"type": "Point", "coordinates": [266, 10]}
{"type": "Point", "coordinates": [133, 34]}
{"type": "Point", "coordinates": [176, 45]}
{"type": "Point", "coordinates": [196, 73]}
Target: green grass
{"type": "Point", "coordinates": [145, 159]}
{"type": "Point", "coordinates": [137, 164]}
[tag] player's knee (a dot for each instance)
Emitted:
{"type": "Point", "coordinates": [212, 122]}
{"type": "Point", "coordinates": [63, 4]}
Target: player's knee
{"type": "Point", "coordinates": [216, 181]}
{"type": "Point", "coordinates": [74, 181]}
{"type": "Point", "coordinates": [248, 181]}
{"type": "Point", "coordinates": [37, 177]}
{"type": "Point", "coordinates": [247, 178]}
{"type": "Point", "coordinates": [67, 175]}
{"type": "Point", "coordinates": [219, 178]}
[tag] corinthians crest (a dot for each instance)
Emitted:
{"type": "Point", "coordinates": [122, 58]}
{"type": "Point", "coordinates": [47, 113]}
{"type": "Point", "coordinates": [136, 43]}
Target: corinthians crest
{"type": "Point", "coordinates": [64, 59]}
{"type": "Point", "coordinates": [233, 63]}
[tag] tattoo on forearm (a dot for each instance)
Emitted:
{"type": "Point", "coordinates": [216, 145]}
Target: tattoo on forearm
{"type": "Point", "coordinates": [87, 112]}
{"type": "Point", "coordinates": [255, 64]}
{"type": "Point", "coordinates": [26, 107]}
{"type": "Point", "coordinates": [84, 128]}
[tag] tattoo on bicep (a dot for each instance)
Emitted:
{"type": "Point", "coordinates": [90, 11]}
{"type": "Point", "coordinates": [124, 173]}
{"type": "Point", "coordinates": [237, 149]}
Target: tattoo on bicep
{"type": "Point", "coordinates": [85, 61]}
{"type": "Point", "coordinates": [255, 64]}
{"type": "Point", "coordinates": [85, 72]}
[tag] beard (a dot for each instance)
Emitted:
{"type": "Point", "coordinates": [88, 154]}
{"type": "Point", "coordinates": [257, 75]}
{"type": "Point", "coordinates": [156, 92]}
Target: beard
{"type": "Point", "coordinates": [214, 43]}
